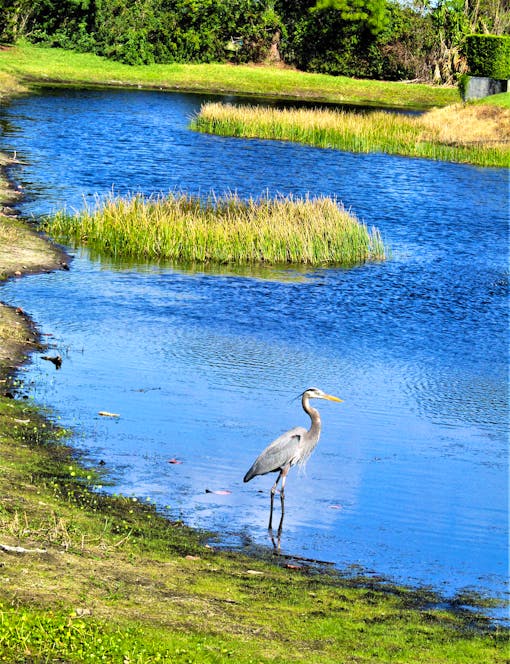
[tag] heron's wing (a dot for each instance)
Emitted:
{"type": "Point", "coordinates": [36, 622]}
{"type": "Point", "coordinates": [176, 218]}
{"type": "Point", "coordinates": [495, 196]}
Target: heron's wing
{"type": "Point", "coordinates": [280, 453]}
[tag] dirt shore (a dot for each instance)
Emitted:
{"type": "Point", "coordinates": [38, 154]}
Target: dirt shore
{"type": "Point", "coordinates": [22, 251]}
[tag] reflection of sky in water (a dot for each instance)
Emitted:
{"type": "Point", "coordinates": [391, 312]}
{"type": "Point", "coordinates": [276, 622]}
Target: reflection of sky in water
{"type": "Point", "coordinates": [409, 478]}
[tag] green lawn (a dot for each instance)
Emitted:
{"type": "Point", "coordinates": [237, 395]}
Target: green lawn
{"type": "Point", "coordinates": [502, 99]}
{"type": "Point", "coordinates": [56, 66]}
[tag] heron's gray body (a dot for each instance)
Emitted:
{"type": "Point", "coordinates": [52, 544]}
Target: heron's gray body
{"type": "Point", "coordinates": [292, 447]}
{"type": "Point", "coordinates": [283, 451]}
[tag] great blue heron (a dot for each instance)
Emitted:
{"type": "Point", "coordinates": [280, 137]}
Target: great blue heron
{"type": "Point", "coordinates": [294, 446]}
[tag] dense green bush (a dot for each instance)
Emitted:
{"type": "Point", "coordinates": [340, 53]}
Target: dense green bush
{"type": "Point", "coordinates": [388, 39]}
{"type": "Point", "coordinates": [402, 46]}
{"type": "Point", "coordinates": [147, 31]}
{"type": "Point", "coordinates": [185, 30]}
{"type": "Point", "coordinates": [322, 40]}
{"type": "Point", "coordinates": [408, 45]}
{"type": "Point", "coordinates": [489, 55]}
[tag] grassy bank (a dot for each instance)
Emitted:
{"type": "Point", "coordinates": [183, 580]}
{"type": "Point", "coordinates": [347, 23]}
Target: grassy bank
{"type": "Point", "coordinates": [56, 66]}
{"type": "Point", "coordinates": [502, 99]}
{"type": "Point", "coordinates": [108, 579]}
{"type": "Point", "coordinates": [475, 134]}
{"type": "Point", "coordinates": [9, 85]}
{"type": "Point", "coordinates": [310, 231]}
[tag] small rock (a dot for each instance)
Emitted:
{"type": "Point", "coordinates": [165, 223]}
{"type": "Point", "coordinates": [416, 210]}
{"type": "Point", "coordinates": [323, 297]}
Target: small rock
{"type": "Point", "coordinates": [80, 612]}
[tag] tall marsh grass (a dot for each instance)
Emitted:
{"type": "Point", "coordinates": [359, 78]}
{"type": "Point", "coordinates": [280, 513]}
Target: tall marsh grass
{"type": "Point", "coordinates": [226, 229]}
{"type": "Point", "coordinates": [434, 135]}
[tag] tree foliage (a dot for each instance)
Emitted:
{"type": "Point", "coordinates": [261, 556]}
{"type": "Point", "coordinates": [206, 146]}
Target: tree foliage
{"type": "Point", "coordinates": [147, 31]}
{"type": "Point", "coordinates": [392, 39]}
{"type": "Point", "coordinates": [369, 13]}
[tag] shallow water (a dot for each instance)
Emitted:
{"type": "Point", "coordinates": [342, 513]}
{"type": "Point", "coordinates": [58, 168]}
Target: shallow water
{"type": "Point", "coordinates": [410, 477]}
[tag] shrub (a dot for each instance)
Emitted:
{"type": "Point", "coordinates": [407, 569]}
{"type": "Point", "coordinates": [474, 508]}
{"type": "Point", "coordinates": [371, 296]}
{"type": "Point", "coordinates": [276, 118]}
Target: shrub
{"type": "Point", "coordinates": [489, 55]}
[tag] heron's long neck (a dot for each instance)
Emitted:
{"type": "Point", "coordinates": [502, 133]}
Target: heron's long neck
{"type": "Point", "coordinates": [314, 416]}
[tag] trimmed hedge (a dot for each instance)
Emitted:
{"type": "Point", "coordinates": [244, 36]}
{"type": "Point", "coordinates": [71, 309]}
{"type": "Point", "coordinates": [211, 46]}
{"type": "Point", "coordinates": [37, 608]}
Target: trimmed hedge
{"type": "Point", "coordinates": [489, 55]}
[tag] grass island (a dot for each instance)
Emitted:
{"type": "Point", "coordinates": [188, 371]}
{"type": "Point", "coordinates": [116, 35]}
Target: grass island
{"type": "Point", "coordinates": [225, 229]}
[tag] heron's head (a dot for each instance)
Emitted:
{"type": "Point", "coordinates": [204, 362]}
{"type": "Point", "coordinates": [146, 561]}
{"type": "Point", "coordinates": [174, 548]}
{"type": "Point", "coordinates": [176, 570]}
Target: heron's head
{"type": "Point", "coordinates": [315, 393]}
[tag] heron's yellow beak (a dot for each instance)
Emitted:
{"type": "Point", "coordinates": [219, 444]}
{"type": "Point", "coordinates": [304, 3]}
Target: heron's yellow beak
{"type": "Point", "coordinates": [332, 398]}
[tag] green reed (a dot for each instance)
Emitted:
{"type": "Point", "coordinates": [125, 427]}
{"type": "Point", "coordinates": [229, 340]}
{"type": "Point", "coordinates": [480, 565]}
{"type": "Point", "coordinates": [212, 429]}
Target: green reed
{"type": "Point", "coordinates": [225, 229]}
{"type": "Point", "coordinates": [377, 131]}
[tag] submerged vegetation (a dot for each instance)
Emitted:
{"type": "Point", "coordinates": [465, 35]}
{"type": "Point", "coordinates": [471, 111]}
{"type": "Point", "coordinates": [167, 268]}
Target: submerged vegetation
{"type": "Point", "coordinates": [310, 231]}
{"type": "Point", "coordinates": [476, 134]}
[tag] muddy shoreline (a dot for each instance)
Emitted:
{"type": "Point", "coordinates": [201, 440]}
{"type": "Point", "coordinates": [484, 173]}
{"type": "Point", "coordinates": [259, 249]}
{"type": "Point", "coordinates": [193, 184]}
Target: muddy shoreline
{"type": "Point", "coordinates": [23, 251]}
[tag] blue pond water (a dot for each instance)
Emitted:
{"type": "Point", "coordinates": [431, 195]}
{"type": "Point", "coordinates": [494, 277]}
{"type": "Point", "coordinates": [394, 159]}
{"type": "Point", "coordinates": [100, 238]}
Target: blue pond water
{"type": "Point", "coordinates": [410, 477]}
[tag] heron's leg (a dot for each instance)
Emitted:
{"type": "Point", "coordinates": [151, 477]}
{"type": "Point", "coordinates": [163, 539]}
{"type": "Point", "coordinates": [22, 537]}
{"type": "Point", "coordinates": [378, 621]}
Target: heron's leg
{"type": "Point", "coordinates": [273, 491]}
{"type": "Point", "coordinates": [282, 496]}
{"type": "Point", "coordinates": [276, 542]}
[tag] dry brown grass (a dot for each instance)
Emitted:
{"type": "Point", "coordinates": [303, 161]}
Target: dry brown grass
{"type": "Point", "coordinates": [9, 85]}
{"type": "Point", "coordinates": [468, 125]}
{"type": "Point", "coordinates": [23, 251]}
